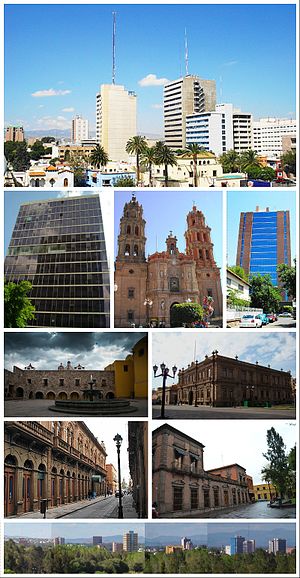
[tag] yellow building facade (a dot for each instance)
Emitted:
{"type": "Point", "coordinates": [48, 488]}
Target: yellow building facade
{"type": "Point", "coordinates": [131, 374]}
{"type": "Point", "coordinates": [264, 492]}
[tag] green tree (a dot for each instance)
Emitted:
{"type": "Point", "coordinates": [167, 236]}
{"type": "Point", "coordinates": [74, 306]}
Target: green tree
{"type": "Point", "coordinates": [98, 157]}
{"type": "Point", "coordinates": [277, 466]}
{"type": "Point", "coordinates": [48, 139]}
{"type": "Point", "coordinates": [37, 150]}
{"type": "Point", "coordinates": [54, 161]}
{"type": "Point", "coordinates": [239, 271]}
{"type": "Point", "coordinates": [127, 181]}
{"type": "Point", "coordinates": [78, 163]}
{"type": "Point", "coordinates": [267, 174]}
{"type": "Point", "coordinates": [263, 293]}
{"type": "Point", "coordinates": [148, 159]}
{"type": "Point", "coordinates": [18, 309]}
{"type": "Point", "coordinates": [287, 277]}
{"type": "Point", "coordinates": [230, 162]}
{"type": "Point", "coordinates": [136, 146]}
{"type": "Point", "coordinates": [186, 314]}
{"type": "Point", "coordinates": [249, 161]}
{"type": "Point", "coordinates": [234, 300]}
{"type": "Point", "coordinates": [165, 156]}
{"type": "Point", "coordinates": [17, 155]}
{"type": "Point", "coordinates": [193, 149]}
{"type": "Point", "coordinates": [289, 162]}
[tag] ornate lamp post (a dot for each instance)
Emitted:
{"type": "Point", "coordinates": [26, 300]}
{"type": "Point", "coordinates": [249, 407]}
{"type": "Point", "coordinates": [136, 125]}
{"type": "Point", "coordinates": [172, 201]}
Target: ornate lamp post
{"type": "Point", "coordinates": [118, 439]}
{"type": "Point", "coordinates": [164, 374]}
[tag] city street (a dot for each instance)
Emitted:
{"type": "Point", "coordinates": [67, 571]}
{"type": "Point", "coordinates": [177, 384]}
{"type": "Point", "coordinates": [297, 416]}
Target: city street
{"type": "Point", "coordinates": [282, 322]}
{"type": "Point", "coordinates": [256, 510]}
{"type": "Point", "coordinates": [40, 408]}
{"type": "Point", "coordinates": [206, 412]}
{"type": "Point", "coordinates": [101, 507]}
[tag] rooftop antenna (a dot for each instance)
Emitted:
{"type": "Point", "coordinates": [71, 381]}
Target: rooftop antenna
{"type": "Point", "coordinates": [221, 89]}
{"type": "Point", "coordinates": [114, 49]}
{"type": "Point", "coordinates": [186, 54]}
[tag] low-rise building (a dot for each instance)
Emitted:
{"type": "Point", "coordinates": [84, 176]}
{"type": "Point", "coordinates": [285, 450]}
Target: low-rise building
{"type": "Point", "coordinates": [55, 177]}
{"type": "Point", "coordinates": [182, 174]}
{"type": "Point", "coordinates": [111, 479]}
{"type": "Point", "coordinates": [181, 485]}
{"type": "Point", "coordinates": [221, 381]}
{"type": "Point", "coordinates": [237, 284]}
{"type": "Point", "coordinates": [50, 463]}
{"type": "Point", "coordinates": [264, 492]}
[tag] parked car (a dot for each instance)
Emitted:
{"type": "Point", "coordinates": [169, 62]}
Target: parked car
{"type": "Point", "coordinates": [250, 320]}
{"type": "Point", "coordinates": [264, 318]}
{"type": "Point", "coordinates": [285, 314]}
{"type": "Point", "coordinates": [272, 317]}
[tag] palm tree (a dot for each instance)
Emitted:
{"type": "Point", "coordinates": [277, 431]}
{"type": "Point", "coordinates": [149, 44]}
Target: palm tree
{"type": "Point", "coordinates": [149, 159]}
{"type": "Point", "coordinates": [136, 146]}
{"type": "Point", "coordinates": [194, 149]}
{"type": "Point", "coordinates": [230, 161]}
{"type": "Point", "coordinates": [249, 159]}
{"type": "Point", "coordinates": [165, 156]}
{"type": "Point", "coordinates": [98, 157]}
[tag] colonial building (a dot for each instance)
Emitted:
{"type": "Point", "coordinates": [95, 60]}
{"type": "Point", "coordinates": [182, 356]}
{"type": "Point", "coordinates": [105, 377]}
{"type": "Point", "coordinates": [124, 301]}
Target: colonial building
{"type": "Point", "coordinates": [138, 464]}
{"type": "Point", "coordinates": [264, 492]}
{"type": "Point", "coordinates": [181, 486]}
{"type": "Point", "coordinates": [61, 462]}
{"type": "Point", "coordinates": [147, 289]}
{"type": "Point", "coordinates": [65, 382]}
{"type": "Point", "coordinates": [132, 372]}
{"type": "Point", "coordinates": [221, 381]}
{"type": "Point", "coordinates": [112, 479]}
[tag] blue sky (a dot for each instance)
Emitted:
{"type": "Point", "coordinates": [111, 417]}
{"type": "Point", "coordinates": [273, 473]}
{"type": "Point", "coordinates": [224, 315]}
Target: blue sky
{"type": "Point", "coordinates": [247, 49]}
{"type": "Point", "coordinates": [238, 202]}
{"type": "Point", "coordinates": [72, 530]}
{"type": "Point", "coordinates": [168, 211]}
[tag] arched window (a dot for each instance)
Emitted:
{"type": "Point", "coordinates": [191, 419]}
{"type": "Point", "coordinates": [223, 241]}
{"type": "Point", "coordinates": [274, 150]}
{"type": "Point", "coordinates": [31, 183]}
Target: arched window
{"type": "Point", "coordinates": [66, 183]}
{"type": "Point", "coordinates": [135, 251]}
{"type": "Point", "coordinates": [128, 230]}
{"type": "Point", "coordinates": [37, 182]}
{"type": "Point", "coordinates": [127, 250]}
{"type": "Point", "coordinates": [200, 254]}
{"type": "Point", "coordinates": [136, 230]}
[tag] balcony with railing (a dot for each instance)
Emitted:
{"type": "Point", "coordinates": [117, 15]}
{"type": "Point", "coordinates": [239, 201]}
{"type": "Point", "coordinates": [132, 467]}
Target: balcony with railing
{"type": "Point", "coordinates": [32, 429]}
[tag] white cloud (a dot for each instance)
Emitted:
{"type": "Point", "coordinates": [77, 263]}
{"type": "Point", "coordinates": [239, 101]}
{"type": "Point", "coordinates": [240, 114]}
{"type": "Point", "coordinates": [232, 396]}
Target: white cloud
{"type": "Point", "coordinates": [230, 63]}
{"type": "Point", "coordinates": [68, 109]}
{"type": "Point", "coordinates": [50, 92]}
{"type": "Point", "coordinates": [152, 80]}
{"type": "Point", "coordinates": [59, 122]}
{"type": "Point", "coordinates": [156, 105]}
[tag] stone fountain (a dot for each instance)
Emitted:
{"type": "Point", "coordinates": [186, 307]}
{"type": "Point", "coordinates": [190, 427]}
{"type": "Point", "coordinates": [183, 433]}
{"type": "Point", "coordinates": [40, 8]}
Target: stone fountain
{"type": "Point", "coordinates": [93, 404]}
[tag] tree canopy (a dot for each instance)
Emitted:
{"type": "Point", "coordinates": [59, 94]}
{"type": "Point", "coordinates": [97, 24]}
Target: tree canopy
{"type": "Point", "coordinates": [18, 309]}
{"type": "Point", "coordinates": [263, 293]}
{"type": "Point", "coordinates": [287, 276]}
{"type": "Point", "coordinates": [277, 468]}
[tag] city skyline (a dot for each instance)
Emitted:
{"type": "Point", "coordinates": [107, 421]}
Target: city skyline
{"type": "Point", "coordinates": [54, 96]}
{"type": "Point", "coordinates": [46, 350]}
{"type": "Point", "coordinates": [232, 448]}
{"type": "Point", "coordinates": [70, 530]}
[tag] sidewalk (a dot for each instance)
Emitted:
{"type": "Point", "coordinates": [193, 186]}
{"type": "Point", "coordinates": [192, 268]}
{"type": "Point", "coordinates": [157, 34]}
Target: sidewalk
{"type": "Point", "coordinates": [60, 511]}
{"type": "Point", "coordinates": [129, 510]}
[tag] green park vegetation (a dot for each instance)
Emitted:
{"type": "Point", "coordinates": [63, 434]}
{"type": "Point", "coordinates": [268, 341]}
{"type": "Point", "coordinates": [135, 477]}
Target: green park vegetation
{"type": "Point", "coordinates": [186, 314]}
{"type": "Point", "coordinates": [18, 309]}
{"type": "Point", "coordinates": [69, 559]}
{"type": "Point", "coordinates": [280, 469]}
{"type": "Point", "coordinates": [204, 561]}
{"type": "Point", "coordinates": [246, 162]}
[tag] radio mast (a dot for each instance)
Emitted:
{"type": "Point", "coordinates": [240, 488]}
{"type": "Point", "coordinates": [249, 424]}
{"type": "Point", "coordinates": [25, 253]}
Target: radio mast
{"type": "Point", "coordinates": [114, 48]}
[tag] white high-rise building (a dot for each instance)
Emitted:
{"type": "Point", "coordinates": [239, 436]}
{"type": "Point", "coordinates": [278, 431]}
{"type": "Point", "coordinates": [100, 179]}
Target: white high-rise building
{"type": "Point", "coordinates": [115, 120]}
{"type": "Point", "coordinates": [220, 130]}
{"type": "Point", "coordinates": [268, 134]}
{"type": "Point", "coordinates": [248, 546]}
{"type": "Point", "coordinates": [80, 129]}
{"type": "Point", "coordinates": [187, 95]}
{"type": "Point", "coordinates": [277, 545]}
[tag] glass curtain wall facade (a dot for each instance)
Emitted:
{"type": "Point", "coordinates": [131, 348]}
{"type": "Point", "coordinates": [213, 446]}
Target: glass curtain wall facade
{"type": "Point", "coordinates": [59, 246]}
{"type": "Point", "coordinates": [264, 242]}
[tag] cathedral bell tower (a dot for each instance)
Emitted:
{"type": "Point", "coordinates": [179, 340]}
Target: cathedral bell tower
{"type": "Point", "coordinates": [131, 268]}
{"type": "Point", "coordinates": [199, 247]}
{"type": "Point", "coordinates": [131, 239]}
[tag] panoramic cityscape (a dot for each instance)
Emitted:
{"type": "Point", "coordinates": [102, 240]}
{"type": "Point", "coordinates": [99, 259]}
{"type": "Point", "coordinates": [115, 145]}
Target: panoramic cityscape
{"type": "Point", "coordinates": [169, 123]}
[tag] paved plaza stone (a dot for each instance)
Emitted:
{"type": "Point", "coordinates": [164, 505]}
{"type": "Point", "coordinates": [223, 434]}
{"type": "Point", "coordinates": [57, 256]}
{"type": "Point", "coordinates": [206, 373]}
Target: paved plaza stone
{"type": "Point", "coordinates": [41, 408]}
{"type": "Point", "coordinates": [100, 507]}
{"type": "Point", "coordinates": [206, 412]}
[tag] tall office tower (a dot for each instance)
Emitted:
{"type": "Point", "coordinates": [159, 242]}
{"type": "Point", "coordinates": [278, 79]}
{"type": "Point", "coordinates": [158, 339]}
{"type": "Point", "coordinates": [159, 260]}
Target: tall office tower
{"type": "Point", "coordinates": [59, 246]}
{"type": "Point", "coordinates": [236, 545]}
{"type": "Point", "coordinates": [242, 131]}
{"type": "Point", "coordinates": [186, 543]}
{"type": "Point", "coordinates": [115, 120]}
{"type": "Point", "coordinates": [59, 541]}
{"type": "Point", "coordinates": [130, 541]}
{"type": "Point", "coordinates": [269, 135]}
{"type": "Point", "coordinates": [80, 129]}
{"type": "Point", "coordinates": [249, 546]}
{"type": "Point", "coordinates": [264, 242]}
{"type": "Point", "coordinates": [97, 540]}
{"type": "Point", "coordinates": [277, 545]}
{"type": "Point", "coordinates": [14, 133]}
{"type": "Point", "coordinates": [187, 95]}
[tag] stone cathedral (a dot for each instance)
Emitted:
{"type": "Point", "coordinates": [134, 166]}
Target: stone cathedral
{"type": "Point", "coordinates": [147, 288]}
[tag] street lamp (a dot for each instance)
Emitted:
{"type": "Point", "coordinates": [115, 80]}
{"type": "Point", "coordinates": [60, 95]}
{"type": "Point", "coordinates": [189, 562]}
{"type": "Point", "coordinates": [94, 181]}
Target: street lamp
{"type": "Point", "coordinates": [118, 439]}
{"type": "Point", "coordinates": [164, 374]}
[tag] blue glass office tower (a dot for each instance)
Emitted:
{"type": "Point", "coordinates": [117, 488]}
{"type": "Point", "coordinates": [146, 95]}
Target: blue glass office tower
{"type": "Point", "coordinates": [236, 545]}
{"type": "Point", "coordinates": [264, 242]}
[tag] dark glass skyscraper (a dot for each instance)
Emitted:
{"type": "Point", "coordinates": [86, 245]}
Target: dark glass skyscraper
{"type": "Point", "coordinates": [264, 242]}
{"type": "Point", "coordinates": [59, 246]}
